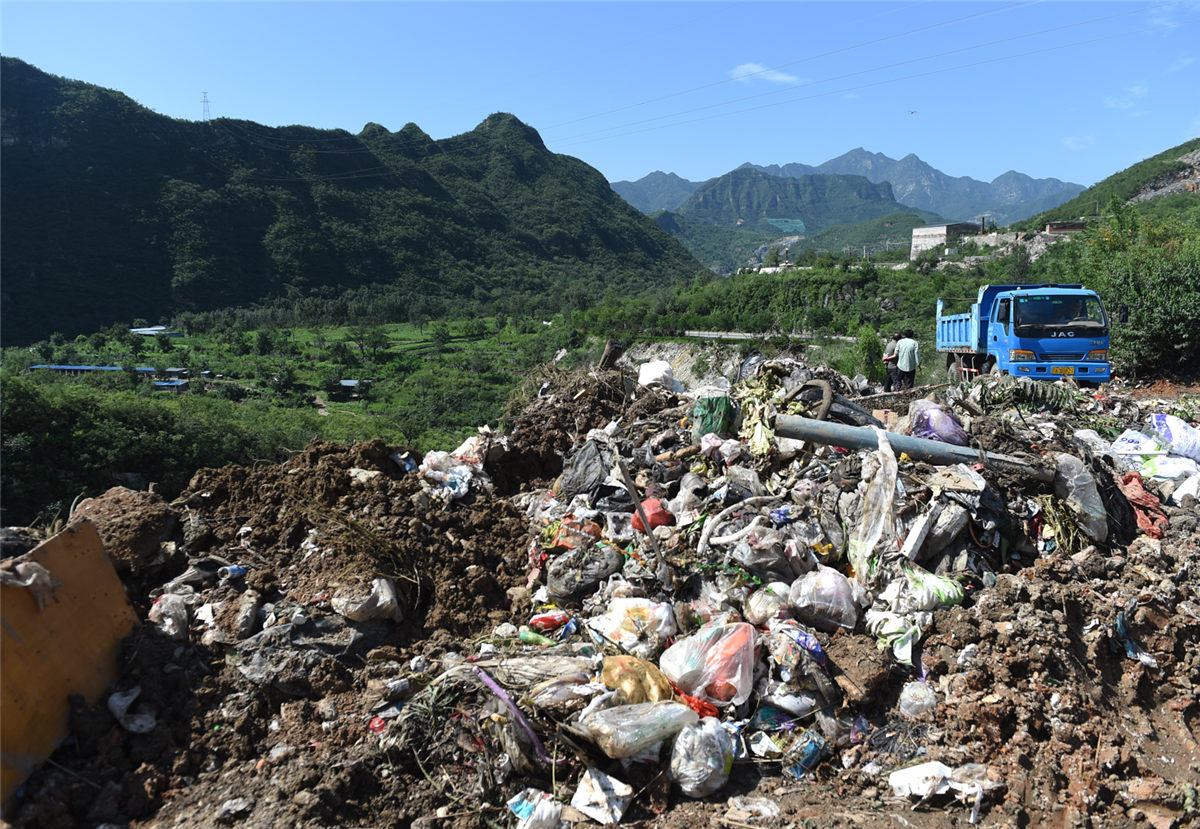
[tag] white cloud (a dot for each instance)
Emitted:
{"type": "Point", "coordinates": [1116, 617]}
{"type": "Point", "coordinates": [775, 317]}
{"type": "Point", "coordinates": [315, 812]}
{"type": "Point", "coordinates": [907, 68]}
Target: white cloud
{"type": "Point", "coordinates": [756, 71]}
{"type": "Point", "coordinates": [1180, 63]}
{"type": "Point", "coordinates": [1078, 142]}
{"type": "Point", "coordinates": [1128, 98]}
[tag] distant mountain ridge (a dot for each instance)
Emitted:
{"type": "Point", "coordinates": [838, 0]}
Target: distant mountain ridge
{"type": "Point", "coordinates": [1009, 197]}
{"type": "Point", "coordinates": [755, 200]}
{"type": "Point", "coordinates": [112, 212]}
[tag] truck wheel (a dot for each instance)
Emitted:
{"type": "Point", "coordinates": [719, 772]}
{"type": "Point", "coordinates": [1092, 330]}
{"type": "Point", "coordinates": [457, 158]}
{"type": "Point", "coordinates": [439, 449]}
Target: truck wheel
{"type": "Point", "coordinates": [995, 370]}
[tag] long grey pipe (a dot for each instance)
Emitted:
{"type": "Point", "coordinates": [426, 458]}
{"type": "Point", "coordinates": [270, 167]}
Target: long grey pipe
{"type": "Point", "coordinates": [930, 451]}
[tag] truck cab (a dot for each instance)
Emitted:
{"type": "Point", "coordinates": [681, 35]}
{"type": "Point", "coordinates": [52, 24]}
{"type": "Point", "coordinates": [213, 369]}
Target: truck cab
{"type": "Point", "coordinates": [1044, 332]}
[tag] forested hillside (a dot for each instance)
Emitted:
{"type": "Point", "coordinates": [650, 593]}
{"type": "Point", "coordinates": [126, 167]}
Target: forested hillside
{"type": "Point", "coordinates": [753, 200]}
{"type": "Point", "coordinates": [1152, 173]}
{"type": "Point", "coordinates": [112, 212]}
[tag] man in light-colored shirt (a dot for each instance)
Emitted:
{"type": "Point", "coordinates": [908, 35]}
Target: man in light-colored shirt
{"type": "Point", "coordinates": [908, 357]}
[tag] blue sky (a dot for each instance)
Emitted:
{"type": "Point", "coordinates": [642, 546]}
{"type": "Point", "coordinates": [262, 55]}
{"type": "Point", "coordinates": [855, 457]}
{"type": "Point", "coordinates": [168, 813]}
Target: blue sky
{"type": "Point", "coordinates": [1073, 90]}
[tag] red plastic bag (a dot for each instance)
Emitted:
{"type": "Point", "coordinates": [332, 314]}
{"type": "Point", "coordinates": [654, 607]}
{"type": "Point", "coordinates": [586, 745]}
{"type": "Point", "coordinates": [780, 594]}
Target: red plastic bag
{"type": "Point", "coordinates": [656, 513]}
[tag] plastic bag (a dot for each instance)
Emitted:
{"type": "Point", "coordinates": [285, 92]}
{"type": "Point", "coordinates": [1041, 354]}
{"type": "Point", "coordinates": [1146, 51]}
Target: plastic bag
{"type": "Point", "coordinates": [716, 663]}
{"type": "Point", "coordinates": [824, 599]}
{"type": "Point", "coordinates": [712, 415]}
{"type": "Point", "coordinates": [636, 679]}
{"type": "Point", "coordinates": [1074, 484]}
{"type": "Point", "coordinates": [766, 602]}
{"type": "Point", "coordinates": [656, 513]}
{"type": "Point", "coordinates": [586, 471]}
{"type": "Point", "coordinates": [581, 570]}
{"type": "Point", "coordinates": [639, 626]}
{"type": "Point", "coordinates": [657, 373]}
{"type": "Point", "coordinates": [625, 730]}
{"type": "Point", "coordinates": [933, 422]}
{"type": "Point", "coordinates": [917, 699]}
{"type": "Point", "coordinates": [701, 758]}
{"type": "Point", "coordinates": [379, 603]}
{"type": "Point", "coordinates": [878, 517]}
{"type": "Point", "coordinates": [1181, 438]}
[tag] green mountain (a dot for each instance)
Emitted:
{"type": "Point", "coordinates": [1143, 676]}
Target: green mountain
{"type": "Point", "coordinates": [753, 200]}
{"type": "Point", "coordinates": [720, 249]}
{"type": "Point", "coordinates": [875, 236]}
{"type": "Point", "coordinates": [1165, 183]}
{"type": "Point", "coordinates": [656, 191]}
{"type": "Point", "coordinates": [111, 212]}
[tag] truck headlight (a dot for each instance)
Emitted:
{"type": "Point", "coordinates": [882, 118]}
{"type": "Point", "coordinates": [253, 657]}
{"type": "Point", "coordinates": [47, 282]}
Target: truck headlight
{"type": "Point", "coordinates": [1020, 356]}
{"type": "Point", "coordinates": [1099, 354]}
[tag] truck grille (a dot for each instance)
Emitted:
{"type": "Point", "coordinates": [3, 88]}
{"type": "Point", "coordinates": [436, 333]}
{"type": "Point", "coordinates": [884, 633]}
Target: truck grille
{"type": "Point", "coordinates": [1071, 356]}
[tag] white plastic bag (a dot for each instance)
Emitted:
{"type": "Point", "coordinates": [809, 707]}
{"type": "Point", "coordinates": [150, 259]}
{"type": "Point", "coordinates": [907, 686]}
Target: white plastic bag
{"type": "Point", "coordinates": [716, 663]}
{"type": "Point", "coordinates": [824, 599]}
{"type": "Point", "coordinates": [1181, 438]}
{"type": "Point", "coordinates": [766, 602]}
{"type": "Point", "coordinates": [701, 758]}
{"type": "Point", "coordinates": [640, 626]}
{"type": "Point", "coordinates": [656, 372]}
{"type": "Point", "coordinates": [379, 603]}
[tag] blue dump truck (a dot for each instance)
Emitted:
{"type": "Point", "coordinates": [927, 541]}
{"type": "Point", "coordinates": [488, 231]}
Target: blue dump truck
{"type": "Point", "coordinates": [1045, 332]}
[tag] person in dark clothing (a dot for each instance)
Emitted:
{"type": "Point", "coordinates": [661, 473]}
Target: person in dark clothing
{"type": "Point", "coordinates": [891, 379]}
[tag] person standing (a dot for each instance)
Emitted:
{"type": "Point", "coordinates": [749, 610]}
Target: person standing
{"type": "Point", "coordinates": [891, 379]}
{"type": "Point", "coordinates": [908, 358]}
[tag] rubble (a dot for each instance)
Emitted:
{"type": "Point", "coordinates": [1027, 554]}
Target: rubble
{"type": "Point", "coordinates": [653, 605]}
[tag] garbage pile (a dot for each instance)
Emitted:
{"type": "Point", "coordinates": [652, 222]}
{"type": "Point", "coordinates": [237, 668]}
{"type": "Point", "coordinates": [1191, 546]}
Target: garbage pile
{"type": "Point", "coordinates": [759, 603]}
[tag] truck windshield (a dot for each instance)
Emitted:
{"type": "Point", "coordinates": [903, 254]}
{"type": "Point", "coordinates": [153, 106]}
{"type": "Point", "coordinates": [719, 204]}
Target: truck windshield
{"type": "Point", "coordinates": [1033, 314]}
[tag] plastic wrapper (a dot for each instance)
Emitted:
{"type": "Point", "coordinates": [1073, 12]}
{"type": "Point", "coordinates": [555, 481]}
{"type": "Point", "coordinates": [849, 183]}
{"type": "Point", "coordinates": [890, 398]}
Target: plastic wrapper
{"type": "Point", "coordinates": [878, 515]}
{"type": "Point", "coordinates": [639, 626]}
{"type": "Point", "coordinates": [536, 809]}
{"type": "Point", "coordinates": [1181, 438]}
{"type": "Point", "coordinates": [716, 663]}
{"type": "Point", "coordinates": [766, 603]}
{"type": "Point", "coordinates": [602, 798]}
{"type": "Point", "coordinates": [379, 603]}
{"type": "Point", "coordinates": [1074, 484]}
{"type": "Point", "coordinates": [625, 730]}
{"type": "Point", "coordinates": [637, 680]}
{"type": "Point", "coordinates": [932, 421]}
{"type": "Point", "coordinates": [701, 758]}
{"type": "Point", "coordinates": [169, 613]}
{"type": "Point", "coordinates": [562, 695]}
{"type": "Point", "coordinates": [824, 599]}
{"type": "Point", "coordinates": [451, 478]}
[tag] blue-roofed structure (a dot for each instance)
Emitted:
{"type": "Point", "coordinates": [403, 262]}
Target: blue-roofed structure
{"type": "Point", "coordinates": [65, 369]}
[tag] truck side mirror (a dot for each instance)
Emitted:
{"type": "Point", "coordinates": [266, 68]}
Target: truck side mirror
{"type": "Point", "coordinates": [1123, 313]}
